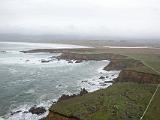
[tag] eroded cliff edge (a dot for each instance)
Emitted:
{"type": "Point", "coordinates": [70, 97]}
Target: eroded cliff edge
{"type": "Point", "coordinates": [118, 62]}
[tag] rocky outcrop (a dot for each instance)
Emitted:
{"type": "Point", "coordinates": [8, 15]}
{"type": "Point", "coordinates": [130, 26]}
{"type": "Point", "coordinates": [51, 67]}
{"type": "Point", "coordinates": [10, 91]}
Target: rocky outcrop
{"type": "Point", "coordinates": [12, 113]}
{"type": "Point", "coordinates": [65, 97]}
{"type": "Point", "coordinates": [48, 50]}
{"type": "Point", "coordinates": [138, 77]}
{"type": "Point", "coordinates": [70, 61]}
{"type": "Point", "coordinates": [118, 62]}
{"type": "Point", "coordinates": [81, 57]}
{"type": "Point", "coordinates": [125, 75]}
{"type": "Point", "coordinates": [108, 81]}
{"type": "Point", "coordinates": [37, 110]}
{"type": "Point", "coordinates": [79, 61]}
{"type": "Point", "coordinates": [45, 61]}
{"type": "Point", "coordinates": [57, 116]}
{"type": "Point", "coordinates": [102, 77]}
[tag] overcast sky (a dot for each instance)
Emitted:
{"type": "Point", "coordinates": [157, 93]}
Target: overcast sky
{"type": "Point", "coordinates": [121, 18]}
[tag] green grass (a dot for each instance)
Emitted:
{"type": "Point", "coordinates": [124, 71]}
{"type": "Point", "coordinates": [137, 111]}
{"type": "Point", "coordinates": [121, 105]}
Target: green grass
{"type": "Point", "coordinates": [153, 112]}
{"type": "Point", "coordinates": [119, 102]}
{"type": "Point", "coordinates": [152, 60]}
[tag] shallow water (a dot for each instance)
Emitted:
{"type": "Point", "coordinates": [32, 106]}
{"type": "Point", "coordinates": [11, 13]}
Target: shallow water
{"type": "Point", "coordinates": [25, 81]}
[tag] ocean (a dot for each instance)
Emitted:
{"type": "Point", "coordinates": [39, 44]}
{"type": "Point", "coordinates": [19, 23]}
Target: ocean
{"type": "Point", "coordinates": [25, 81]}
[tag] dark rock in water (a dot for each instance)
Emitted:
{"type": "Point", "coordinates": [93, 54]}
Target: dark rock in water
{"type": "Point", "coordinates": [25, 112]}
{"type": "Point", "coordinates": [102, 84]}
{"type": "Point", "coordinates": [3, 51]}
{"type": "Point", "coordinates": [78, 61]}
{"type": "Point", "coordinates": [58, 59]}
{"type": "Point", "coordinates": [83, 91]}
{"type": "Point", "coordinates": [52, 57]}
{"type": "Point", "coordinates": [54, 102]}
{"type": "Point", "coordinates": [84, 81]}
{"type": "Point", "coordinates": [27, 60]}
{"type": "Point", "coordinates": [37, 110]}
{"type": "Point", "coordinates": [108, 81]}
{"type": "Point", "coordinates": [12, 113]}
{"type": "Point", "coordinates": [113, 75]}
{"type": "Point", "coordinates": [102, 77]}
{"type": "Point", "coordinates": [107, 77]}
{"type": "Point", "coordinates": [70, 61]}
{"type": "Point", "coordinates": [45, 61]}
{"type": "Point", "coordinates": [91, 83]}
{"type": "Point", "coordinates": [59, 85]}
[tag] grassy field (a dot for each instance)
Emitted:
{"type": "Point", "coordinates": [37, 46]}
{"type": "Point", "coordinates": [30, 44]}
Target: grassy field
{"type": "Point", "coordinates": [119, 102]}
{"type": "Point", "coordinates": [152, 60]}
{"type": "Point", "coordinates": [153, 112]}
{"type": "Point", "coordinates": [151, 57]}
{"type": "Point", "coordinates": [123, 100]}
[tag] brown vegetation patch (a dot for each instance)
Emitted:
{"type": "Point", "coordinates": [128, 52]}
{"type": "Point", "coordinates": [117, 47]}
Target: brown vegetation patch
{"type": "Point", "coordinates": [139, 77]}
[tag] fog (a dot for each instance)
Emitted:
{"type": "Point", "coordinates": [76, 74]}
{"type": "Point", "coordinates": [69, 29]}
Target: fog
{"type": "Point", "coordinates": [105, 18]}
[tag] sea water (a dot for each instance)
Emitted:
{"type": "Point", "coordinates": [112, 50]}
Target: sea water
{"type": "Point", "coordinates": [25, 81]}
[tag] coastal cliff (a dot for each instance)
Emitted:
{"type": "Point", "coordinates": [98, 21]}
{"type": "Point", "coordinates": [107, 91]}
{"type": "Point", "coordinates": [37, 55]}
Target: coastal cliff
{"type": "Point", "coordinates": [138, 77]}
{"type": "Point", "coordinates": [58, 116]}
{"type": "Point", "coordinates": [128, 74]}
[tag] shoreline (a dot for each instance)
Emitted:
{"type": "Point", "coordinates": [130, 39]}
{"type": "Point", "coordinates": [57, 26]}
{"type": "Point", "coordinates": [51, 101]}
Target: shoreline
{"type": "Point", "coordinates": [15, 112]}
{"type": "Point", "coordinates": [123, 76]}
{"type": "Point", "coordinates": [118, 62]}
{"type": "Point", "coordinates": [33, 45]}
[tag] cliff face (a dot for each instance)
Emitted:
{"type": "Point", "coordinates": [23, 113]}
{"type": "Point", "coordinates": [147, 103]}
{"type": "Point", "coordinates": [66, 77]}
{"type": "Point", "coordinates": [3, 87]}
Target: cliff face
{"type": "Point", "coordinates": [138, 77]}
{"type": "Point", "coordinates": [57, 116]}
{"type": "Point", "coordinates": [120, 64]}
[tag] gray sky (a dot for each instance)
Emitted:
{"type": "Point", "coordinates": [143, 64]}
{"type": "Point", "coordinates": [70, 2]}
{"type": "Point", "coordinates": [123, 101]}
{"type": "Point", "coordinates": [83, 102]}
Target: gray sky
{"type": "Point", "coordinates": [120, 18]}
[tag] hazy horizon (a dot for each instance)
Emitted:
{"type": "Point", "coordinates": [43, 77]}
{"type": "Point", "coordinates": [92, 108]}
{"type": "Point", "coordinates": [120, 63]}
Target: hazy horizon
{"type": "Point", "coordinates": [102, 19]}
{"type": "Point", "coordinates": [61, 37]}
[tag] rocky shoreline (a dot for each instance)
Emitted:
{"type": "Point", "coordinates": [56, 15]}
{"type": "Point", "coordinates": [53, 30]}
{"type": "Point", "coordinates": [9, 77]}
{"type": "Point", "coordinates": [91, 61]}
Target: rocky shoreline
{"type": "Point", "coordinates": [118, 62]}
{"type": "Point", "coordinates": [58, 116]}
